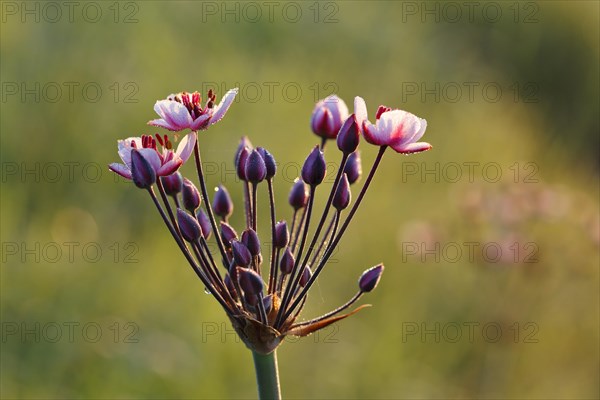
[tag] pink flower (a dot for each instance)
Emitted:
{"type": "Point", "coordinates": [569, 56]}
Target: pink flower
{"type": "Point", "coordinates": [395, 128]}
{"type": "Point", "coordinates": [164, 162]}
{"type": "Point", "coordinates": [328, 116]}
{"type": "Point", "coordinates": [184, 110]}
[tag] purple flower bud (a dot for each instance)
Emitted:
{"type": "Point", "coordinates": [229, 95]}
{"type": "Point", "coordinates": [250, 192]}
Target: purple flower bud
{"type": "Point", "coordinates": [353, 168]}
{"type": "Point", "coordinates": [142, 172]}
{"type": "Point", "coordinates": [244, 143]}
{"type": "Point", "coordinates": [228, 234]}
{"type": "Point", "coordinates": [222, 204]}
{"type": "Point", "coordinates": [240, 163]}
{"type": "Point", "coordinates": [269, 162]}
{"type": "Point", "coordinates": [306, 274]}
{"type": "Point", "coordinates": [173, 183]}
{"type": "Point", "coordinates": [188, 225]}
{"type": "Point", "coordinates": [327, 117]}
{"type": "Point", "coordinates": [204, 223]}
{"type": "Point", "coordinates": [241, 254]}
{"type": "Point", "coordinates": [298, 195]}
{"type": "Point", "coordinates": [286, 264]}
{"type": "Point", "coordinates": [250, 239]}
{"type": "Point", "coordinates": [342, 196]}
{"type": "Point", "coordinates": [282, 235]}
{"type": "Point", "coordinates": [268, 303]}
{"type": "Point", "coordinates": [314, 168]}
{"type": "Point", "coordinates": [190, 196]}
{"type": "Point", "coordinates": [370, 278]}
{"type": "Point", "coordinates": [349, 136]}
{"type": "Point", "coordinates": [230, 287]}
{"type": "Point", "coordinates": [250, 282]}
{"type": "Point", "coordinates": [255, 168]}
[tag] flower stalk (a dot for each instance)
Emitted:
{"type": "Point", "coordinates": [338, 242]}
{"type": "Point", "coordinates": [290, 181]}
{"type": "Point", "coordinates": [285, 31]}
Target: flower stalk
{"type": "Point", "coordinates": [267, 375]}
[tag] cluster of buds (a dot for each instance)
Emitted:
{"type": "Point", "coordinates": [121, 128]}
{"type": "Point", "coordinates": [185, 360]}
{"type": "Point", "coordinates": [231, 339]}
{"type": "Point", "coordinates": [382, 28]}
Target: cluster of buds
{"type": "Point", "coordinates": [263, 294]}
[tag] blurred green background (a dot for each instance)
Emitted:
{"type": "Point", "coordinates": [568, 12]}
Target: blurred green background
{"type": "Point", "coordinates": [97, 302]}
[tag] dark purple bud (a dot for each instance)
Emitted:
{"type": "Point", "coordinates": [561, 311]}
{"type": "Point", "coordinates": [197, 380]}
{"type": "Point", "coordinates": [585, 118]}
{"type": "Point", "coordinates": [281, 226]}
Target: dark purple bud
{"type": "Point", "coordinates": [188, 225]}
{"type": "Point", "coordinates": [298, 195]}
{"type": "Point", "coordinates": [306, 274]}
{"type": "Point", "coordinates": [314, 168]}
{"type": "Point", "coordinates": [240, 163]}
{"type": "Point", "coordinates": [204, 223]}
{"type": "Point", "coordinates": [244, 143]}
{"type": "Point", "coordinates": [250, 282]}
{"type": "Point", "coordinates": [250, 239]}
{"type": "Point", "coordinates": [370, 278]}
{"type": "Point", "coordinates": [173, 183]}
{"type": "Point", "coordinates": [353, 167]}
{"type": "Point", "coordinates": [268, 303]}
{"type": "Point", "coordinates": [349, 136]}
{"type": "Point", "coordinates": [286, 264]}
{"type": "Point", "coordinates": [142, 173]}
{"type": "Point", "coordinates": [228, 234]}
{"type": "Point", "coordinates": [241, 254]}
{"type": "Point", "coordinates": [342, 196]}
{"type": "Point", "coordinates": [222, 204]}
{"type": "Point", "coordinates": [282, 235]}
{"type": "Point", "coordinates": [190, 196]}
{"type": "Point", "coordinates": [255, 169]}
{"type": "Point", "coordinates": [230, 287]}
{"type": "Point", "coordinates": [269, 162]}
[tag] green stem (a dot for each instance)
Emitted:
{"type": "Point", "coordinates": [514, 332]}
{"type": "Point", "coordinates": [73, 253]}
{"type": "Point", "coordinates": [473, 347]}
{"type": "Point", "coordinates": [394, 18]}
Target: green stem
{"type": "Point", "coordinates": [267, 375]}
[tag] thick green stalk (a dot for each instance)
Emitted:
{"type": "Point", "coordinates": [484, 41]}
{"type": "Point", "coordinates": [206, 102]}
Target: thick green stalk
{"type": "Point", "coordinates": [267, 375]}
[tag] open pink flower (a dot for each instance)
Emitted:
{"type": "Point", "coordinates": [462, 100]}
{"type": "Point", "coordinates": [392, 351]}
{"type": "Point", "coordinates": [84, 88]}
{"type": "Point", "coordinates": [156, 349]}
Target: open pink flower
{"type": "Point", "coordinates": [328, 116]}
{"type": "Point", "coordinates": [164, 162]}
{"type": "Point", "coordinates": [184, 110]}
{"type": "Point", "coordinates": [398, 129]}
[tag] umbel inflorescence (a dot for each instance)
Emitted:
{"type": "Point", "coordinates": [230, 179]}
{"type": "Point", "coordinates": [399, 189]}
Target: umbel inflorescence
{"type": "Point", "coordinates": [263, 292]}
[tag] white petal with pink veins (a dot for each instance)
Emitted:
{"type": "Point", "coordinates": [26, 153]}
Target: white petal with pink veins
{"type": "Point", "coordinates": [161, 123]}
{"type": "Point", "coordinates": [174, 113]}
{"type": "Point", "coordinates": [360, 110]}
{"type": "Point", "coordinates": [125, 147]}
{"type": "Point", "coordinates": [223, 106]}
{"type": "Point", "coordinates": [201, 121]}
{"type": "Point", "coordinates": [186, 146]}
{"type": "Point", "coordinates": [399, 126]}
{"type": "Point", "coordinates": [412, 147]}
{"type": "Point", "coordinates": [120, 169]}
{"type": "Point", "coordinates": [372, 134]}
{"type": "Point", "coordinates": [169, 167]}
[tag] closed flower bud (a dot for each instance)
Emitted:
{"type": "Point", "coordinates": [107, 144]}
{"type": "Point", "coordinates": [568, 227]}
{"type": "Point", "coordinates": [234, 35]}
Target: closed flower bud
{"type": "Point", "coordinates": [342, 196]}
{"type": "Point", "coordinates": [255, 168]}
{"type": "Point", "coordinates": [204, 223]}
{"type": "Point", "coordinates": [230, 287]}
{"type": "Point", "coordinates": [286, 264]}
{"type": "Point", "coordinates": [314, 168]}
{"type": "Point", "coordinates": [269, 162]}
{"type": "Point", "coordinates": [353, 167]}
{"type": "Point", "coordinates": [241, 254]}
{"type": "Point", "coordinates": [306, 274]}
{"type": "Point", "coordinates": [244, 143]}
{"type": "Point", "coordinates": [190, 196]}
{"type": "Point", "coordinates": [188, 225]}
{"type": "Point", "coordinates": [228, 234]}
{"type": "Point", "coordinates": [250, 239]}
{"type": "Point", "coordinates": [222, 204]}
{"type": "Point", "coordinates": [142, 172]}
{"type": "Point", "coordinates": [328, 116]}
{"type": "Point", "coordinates": [240, 163]}
{"type": "Point", "coordinates": [370, 278]}
{"type": "Point", "coordinates": [250, 282]}
{"type": "Point", "coordinates": [282, 235]}
{"type": "Point", "coordinates": [173, 183]}
{"type": "Point", "coordinates": [298, 195]}
{"type": "Point", "coordinates": [349, 136]}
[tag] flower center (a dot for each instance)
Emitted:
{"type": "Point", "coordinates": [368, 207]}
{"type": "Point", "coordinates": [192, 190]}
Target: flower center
{"type": "Point", "coordinates": [192, 101]}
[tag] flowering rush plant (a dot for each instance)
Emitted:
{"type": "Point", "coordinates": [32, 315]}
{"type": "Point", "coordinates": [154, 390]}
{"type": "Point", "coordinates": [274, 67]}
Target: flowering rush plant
{"type": "Point", "coordinates": [263, 292]}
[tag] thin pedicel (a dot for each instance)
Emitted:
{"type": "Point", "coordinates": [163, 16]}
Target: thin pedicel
{"type": "Point", "coordinates": [264, 304]}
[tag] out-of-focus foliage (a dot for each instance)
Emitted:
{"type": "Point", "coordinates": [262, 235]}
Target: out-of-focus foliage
{"type": "Point", "coordinates": [466, 251]}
